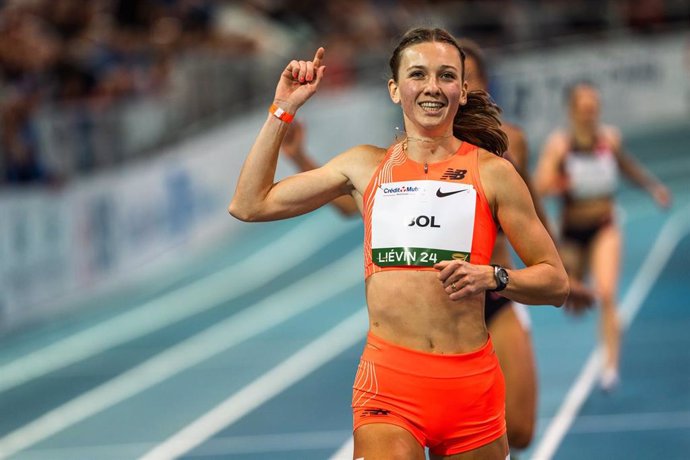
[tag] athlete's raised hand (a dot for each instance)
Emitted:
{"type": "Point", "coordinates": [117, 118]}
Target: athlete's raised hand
{"type": "Point", "coordinates": [299, 82]}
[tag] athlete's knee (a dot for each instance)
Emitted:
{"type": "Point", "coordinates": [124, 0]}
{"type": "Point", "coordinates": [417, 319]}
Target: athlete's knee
{"type": "Point", "coordinates": [607, 299]}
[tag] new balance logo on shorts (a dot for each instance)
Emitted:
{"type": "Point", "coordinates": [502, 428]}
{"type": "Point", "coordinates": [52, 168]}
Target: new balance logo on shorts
{"type": "Point", "coordinates": [454, 174]}
{"type": "Point", "coordinates": [369, 412]}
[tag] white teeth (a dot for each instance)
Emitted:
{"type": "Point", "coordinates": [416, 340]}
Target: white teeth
{"type": "Point", "coordinates": [431, 105]}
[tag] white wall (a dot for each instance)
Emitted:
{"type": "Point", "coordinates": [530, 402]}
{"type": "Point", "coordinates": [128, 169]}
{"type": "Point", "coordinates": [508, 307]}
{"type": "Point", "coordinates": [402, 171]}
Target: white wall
{"type": "Point", "coordinates": [644, 82]}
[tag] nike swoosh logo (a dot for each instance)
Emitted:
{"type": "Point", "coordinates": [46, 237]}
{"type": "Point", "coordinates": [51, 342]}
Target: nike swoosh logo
{"type": "Point", "coordinates": [441, 194]}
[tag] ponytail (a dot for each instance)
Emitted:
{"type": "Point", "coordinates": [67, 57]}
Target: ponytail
{"type": "Point", "coordinates": [478, 122]}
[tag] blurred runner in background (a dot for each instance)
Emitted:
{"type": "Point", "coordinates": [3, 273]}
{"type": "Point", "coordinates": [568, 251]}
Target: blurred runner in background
{"type": "Point", "coordinates": [581, 164]}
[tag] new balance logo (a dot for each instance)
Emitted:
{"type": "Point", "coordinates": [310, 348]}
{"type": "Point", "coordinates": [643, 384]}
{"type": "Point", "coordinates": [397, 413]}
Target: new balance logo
{"type": "Point", "coordinates": [454, 174]}
{"type": "Point", "coordinates": [368, 412]}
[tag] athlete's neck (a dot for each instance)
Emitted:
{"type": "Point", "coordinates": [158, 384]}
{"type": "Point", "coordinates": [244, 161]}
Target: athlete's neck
{"type": "Point", "coordinates": [584, 135]}
{"type": "Point", "coordinates": [430, 149]}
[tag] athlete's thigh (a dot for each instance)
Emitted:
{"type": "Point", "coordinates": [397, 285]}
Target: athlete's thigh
{"type": "Point", "coordinates": [513, 346]}
{"type": "Point", "coordinates": [605, 258]}
{"type": "Point", "coordinates": [383, 441]}
{"type": "Point", "coordinates": [495, 450]}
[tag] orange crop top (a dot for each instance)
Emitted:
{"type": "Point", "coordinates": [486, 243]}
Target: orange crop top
{"type": "Point", "coordinates": [416, 215]}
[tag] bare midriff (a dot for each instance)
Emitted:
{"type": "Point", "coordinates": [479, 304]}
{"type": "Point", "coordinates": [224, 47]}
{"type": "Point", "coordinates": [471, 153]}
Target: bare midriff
{"type": "Point", "coordinates": [587, 213]}
{"type": "Point", "coordinates": [411, 309]}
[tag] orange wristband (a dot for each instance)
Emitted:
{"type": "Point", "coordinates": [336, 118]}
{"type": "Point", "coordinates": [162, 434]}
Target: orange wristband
{"type": "Point", "coordinates": [281, 114]}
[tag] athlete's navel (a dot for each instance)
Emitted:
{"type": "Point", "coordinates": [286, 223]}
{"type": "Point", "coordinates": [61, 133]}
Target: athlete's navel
{"type": "Point", "coordinates": [431, 344]}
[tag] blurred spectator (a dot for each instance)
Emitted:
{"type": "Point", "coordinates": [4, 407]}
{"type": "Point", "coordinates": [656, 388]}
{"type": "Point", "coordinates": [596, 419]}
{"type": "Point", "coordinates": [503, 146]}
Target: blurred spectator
{"type": "Point", "coordinates": [27, 52]}
{"type": "Point", "coordinates": [644, 15]}
{"type": "Point", "coordinates": [251, 21]}
{"type": "Point", "coordinates": [77, 70]}
{"type": "Point", "coordinates": [19, 145]}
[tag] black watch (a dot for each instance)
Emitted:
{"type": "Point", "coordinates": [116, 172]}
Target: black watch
{"type": "Point", "coordinates": [501, 277]}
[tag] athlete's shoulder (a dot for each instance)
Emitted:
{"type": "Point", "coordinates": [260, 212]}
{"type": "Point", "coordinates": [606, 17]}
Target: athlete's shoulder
{"type": "Point", "coordinates": [361, 154]}
{"type": "Point", "coordinates": [498, 175]}
{"type": "Point", "coordinates": [491, 164]}
{"type": "Point", "coordinates": [558, 136]}
{"type": "Point", "coordinates": [359, 162]}
{"type": "Point", "coordinates": [557, 143]}
{"type": "Point", "coordinates": [611, 134]}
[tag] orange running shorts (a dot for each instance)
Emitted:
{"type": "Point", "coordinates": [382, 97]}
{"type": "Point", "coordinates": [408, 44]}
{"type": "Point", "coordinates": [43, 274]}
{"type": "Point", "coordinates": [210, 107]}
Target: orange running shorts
{"type": "Point", "coordinates": [449, 403]}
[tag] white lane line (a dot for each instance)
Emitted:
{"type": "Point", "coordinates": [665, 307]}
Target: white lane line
{"type": "Point", "coordinates": [271, 311]}
{"type": "Point", "coordinates": [675, 229]}
{"type": "Point", "coordinates": [343, 336]}
{"type": "Point", "coordinates": [293, 248]}
{"type": "Point", "coordinates": [673, 232]}
{"type": "Point", "coordinates": [345, 452]}
{"type": "Point", "coordinates": [574, 399]}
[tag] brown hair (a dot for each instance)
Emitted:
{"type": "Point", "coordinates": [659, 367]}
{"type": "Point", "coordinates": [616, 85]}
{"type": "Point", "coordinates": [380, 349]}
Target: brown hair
{"type": "Point", "coordinates": [476, 122]}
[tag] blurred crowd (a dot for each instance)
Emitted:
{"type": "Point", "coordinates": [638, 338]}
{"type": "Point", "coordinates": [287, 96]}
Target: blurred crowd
{"type": "Point", "coordinates": [96, 55]}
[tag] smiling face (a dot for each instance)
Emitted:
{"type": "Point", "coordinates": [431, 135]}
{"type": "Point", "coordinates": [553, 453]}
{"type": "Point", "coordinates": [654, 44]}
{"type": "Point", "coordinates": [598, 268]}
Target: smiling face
{"type": "Point", "coordinates": [429, 87]}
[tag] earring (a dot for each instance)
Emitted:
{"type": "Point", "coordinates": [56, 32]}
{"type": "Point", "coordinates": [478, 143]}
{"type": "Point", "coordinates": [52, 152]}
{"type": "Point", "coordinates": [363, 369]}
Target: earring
{"type": "Point", "coordinates": [399, 133]}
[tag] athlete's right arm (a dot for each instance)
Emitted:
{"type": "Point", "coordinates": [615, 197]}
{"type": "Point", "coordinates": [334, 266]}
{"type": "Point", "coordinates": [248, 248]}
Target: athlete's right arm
{"type": "Point", "coordinates": [257, 197]}
{"type": "Point", "coordinates": [293, 148]}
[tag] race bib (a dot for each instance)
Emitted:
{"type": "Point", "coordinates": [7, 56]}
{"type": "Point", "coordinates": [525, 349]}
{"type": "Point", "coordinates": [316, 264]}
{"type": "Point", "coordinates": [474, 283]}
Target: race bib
{"type": "Point", "coordinates": [420, 223]}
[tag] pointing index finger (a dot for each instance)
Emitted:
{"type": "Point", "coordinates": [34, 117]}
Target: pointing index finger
{"type": "Point", "coordinates": [318, 57]}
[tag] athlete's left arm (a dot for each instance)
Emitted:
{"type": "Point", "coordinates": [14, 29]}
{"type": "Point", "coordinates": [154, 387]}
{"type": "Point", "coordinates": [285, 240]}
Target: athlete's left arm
{"type": "Point", "coordinates": [543, 280]}
{"type": "Point", "coordinates": [636, 172]}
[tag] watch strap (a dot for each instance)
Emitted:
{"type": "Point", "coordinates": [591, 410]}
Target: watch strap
{"type": "Point", "coordinates": [500, 284]}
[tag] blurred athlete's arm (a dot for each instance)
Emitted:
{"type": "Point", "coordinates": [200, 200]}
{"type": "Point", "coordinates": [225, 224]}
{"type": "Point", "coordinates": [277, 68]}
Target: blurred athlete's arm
{"type": "Point", "coordinates": [632, 169]}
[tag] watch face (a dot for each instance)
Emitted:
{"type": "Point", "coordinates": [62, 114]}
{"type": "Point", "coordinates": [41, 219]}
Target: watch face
{"type": "Point", "coordinates": [503, 276]}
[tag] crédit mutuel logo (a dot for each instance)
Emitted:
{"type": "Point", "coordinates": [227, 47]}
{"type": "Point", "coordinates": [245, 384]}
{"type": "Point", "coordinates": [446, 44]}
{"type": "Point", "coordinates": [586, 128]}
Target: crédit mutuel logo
{"type": "Point", "coordinates": [400, 189]}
